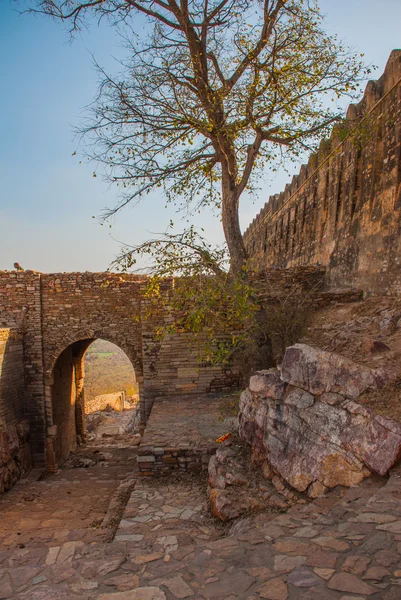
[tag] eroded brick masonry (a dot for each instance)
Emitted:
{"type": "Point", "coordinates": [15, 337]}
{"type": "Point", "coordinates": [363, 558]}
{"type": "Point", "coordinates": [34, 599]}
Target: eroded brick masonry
{"type": "Point", "coordinates": [47, 322]}
{"type": "Point", "coordinates": [343, 210]}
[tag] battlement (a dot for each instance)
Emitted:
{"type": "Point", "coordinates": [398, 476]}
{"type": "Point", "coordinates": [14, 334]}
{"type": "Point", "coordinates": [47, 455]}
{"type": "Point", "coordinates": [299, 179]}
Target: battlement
{"type": "Point", "coordinates": [338, 211]}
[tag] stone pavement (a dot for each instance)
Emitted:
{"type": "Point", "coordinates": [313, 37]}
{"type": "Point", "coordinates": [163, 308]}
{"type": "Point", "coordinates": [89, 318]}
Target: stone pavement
{"type": "Point", "coordinates": [181, 433]}
{"type": "Point", "coordinates": [67, 506]}
{"type": "Point", "coordinates": [344, 546]}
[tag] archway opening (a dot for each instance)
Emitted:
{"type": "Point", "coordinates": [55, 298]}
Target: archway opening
{"type": "Point", "coordinates": [111, 393]}
{"type": "Point", "coordinates": [112, 388]}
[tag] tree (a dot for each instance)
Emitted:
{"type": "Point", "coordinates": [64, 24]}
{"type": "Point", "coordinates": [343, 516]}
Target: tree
{"type": "Point", "coordinates": [212, 94]}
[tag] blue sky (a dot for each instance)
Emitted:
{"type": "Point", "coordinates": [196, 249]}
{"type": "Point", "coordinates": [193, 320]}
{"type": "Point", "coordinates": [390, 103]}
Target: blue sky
{"type": "Point", "coordinates": [47, 199]}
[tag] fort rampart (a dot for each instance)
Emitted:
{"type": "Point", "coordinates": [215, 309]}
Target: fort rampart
{"type": "Point", "coordinates": [343, 209]}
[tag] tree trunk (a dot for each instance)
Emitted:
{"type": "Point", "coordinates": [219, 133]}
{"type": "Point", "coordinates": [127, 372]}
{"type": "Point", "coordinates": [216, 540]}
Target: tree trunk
{"type": "Point", "coordinates": [231, 227]}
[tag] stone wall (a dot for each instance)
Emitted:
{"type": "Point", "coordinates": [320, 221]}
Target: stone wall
{"type": "Point", "coordinates": [15, 456]}
{"type": "Point", "coordinates": [305, 425]}
{"type": "Point", "coordinates": [60, 315]}
{"type": "Point", "coordinates": [21, 309]}
{"type": "Point", "coordinates": [343, 209]}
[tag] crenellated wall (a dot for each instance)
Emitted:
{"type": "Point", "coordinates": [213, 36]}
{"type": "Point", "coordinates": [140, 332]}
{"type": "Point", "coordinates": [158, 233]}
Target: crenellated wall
{"type": "Point", "coordinates": [343, 209]}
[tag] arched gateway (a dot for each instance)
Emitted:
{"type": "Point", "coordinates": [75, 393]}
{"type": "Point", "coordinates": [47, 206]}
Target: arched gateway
{"type": "Point", "coordinates": [57, 316]}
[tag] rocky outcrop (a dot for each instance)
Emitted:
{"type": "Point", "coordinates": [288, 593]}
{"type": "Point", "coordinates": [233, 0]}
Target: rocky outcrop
{"type": "Point", "coordinates": [318, 371]}
{"type": "Point", "coordinates": [304, 421]}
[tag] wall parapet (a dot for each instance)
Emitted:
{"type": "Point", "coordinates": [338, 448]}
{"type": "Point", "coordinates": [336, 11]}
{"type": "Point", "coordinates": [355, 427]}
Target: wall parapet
{"type": "Point", "coordinates": [343, 209]}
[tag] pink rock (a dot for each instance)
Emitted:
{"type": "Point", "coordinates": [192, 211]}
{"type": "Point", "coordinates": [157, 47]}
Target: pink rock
{"type": "Point", "coordinates": [267, 384]}
{"type": "Point", "coordinates": [318, 371]}
{"type": "Point", "coordinates": [316, 436]}
{"type": "Point", "coordinates": [377, 443]}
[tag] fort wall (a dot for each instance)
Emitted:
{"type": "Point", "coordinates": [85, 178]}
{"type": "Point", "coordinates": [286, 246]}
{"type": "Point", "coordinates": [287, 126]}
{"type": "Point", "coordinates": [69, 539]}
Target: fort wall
{"type": "Point", "coordinates": [15, 455]}
{"type": "Point", "coordinates": [343, 209]}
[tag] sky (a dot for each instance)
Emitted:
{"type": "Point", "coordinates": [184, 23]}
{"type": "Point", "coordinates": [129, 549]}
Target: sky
{"type": "Point", "coordinates": [48, 199]}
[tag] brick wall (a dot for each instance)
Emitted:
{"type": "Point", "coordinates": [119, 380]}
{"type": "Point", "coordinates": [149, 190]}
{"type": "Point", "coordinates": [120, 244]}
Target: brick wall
{"type": "Point", "coordinates": [21, 309]}
{"type": "Point", "coordinates": [60, 314]}
{"type": "Point", "coordinates": [343, 209]}
{"type": "Point", "coordinates": [15, 457]}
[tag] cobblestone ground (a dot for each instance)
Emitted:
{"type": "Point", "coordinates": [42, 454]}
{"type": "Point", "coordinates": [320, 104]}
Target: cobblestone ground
{"type": "Point", "coordinates": [344, 546]}
{"type": "Point", "coordinates": [94, 531]}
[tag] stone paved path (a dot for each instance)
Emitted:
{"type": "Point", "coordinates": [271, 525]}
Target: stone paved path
{"type": "Point", "coordinates": [181, 433]}
{"type": "Point", "coordinates": [340, 547]}
{"type": "Point", "coordinates": [67, 506]}
{"type": "Point", "coordinates": [197, 419]}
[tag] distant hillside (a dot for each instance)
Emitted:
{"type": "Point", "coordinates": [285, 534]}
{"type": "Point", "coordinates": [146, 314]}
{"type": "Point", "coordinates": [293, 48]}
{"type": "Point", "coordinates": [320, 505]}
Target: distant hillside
{"type": "Point", "coordinates": [107, 370]}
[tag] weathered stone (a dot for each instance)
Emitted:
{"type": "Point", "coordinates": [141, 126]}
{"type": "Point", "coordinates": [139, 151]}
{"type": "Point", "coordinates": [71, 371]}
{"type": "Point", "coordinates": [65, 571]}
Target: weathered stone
{"type": "Point", "coordinates": [299, 398]}
{"type": "Point", "coordinates": [318, 371]}
{"type": "Point", "coordinates": [124, 582]}
{"type": "Point", "coordinates": [236, 583]}
{"type": "Point", "coordinates": [391, 527]}
{"type": "Point", "coordinates": [376, 442]}
{"type": "Point", "coordinates": [143, 559]}
{"type": "Point", "coordinates": [275, 589]}
{"type": "Point", "coordinates": [387, 558]}
{"type": "Point", "coordinates": [6, 590]}
{"type": "Point", "coordinates": [324, 573]}
{"type": "Point", "coordinates": [374, 518]}
{"type": "Point", "coordinates": [376, 573]}
{"type": "Point", "coordinates": [102, 567]}
{"type": "Point", "coordinates": [47, 592]}
{"type": "Point", "coordinates": [141, 593]}
{"type": "Point", "coordinates": [178, 587]}
{"type": "Point", "coordinates": [307, 532]}
{"type": "Point", "coordinates": [345, 582]}
{"type": "Point", "coordinates": [356, 564]}
{"type": "Point", "coordinates": [52, 555]}
{"type": "Point", "coordinates": [234, 490]}
{"type": "Point", "coordinates": [325, 560]}
{"type": "Point", "coordinates": [317, 489]}
{"type": "Point", "coordinates": [332, 543]}
{"type": "Point", "coordinates": [22, 575]}
{"type": "Point", "coordinates": [316, 445]}
{"type": "Point", "coordinates": [295, 547]}
{"type": "Point", "coordinates": [303, 578]}
{"type": "Point", "coordinates": [267, 384]}
{"type": "Point", "coordinates": [331, 398]}
{"type": "Point", "coordinates": [288, 563]}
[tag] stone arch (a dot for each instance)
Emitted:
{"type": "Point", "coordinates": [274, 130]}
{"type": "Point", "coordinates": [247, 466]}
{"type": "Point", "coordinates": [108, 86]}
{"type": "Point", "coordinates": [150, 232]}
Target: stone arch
{"type": "Point", "coordinates": [64, 380]}
{"type": "Point", "coordinates": [134, 354]}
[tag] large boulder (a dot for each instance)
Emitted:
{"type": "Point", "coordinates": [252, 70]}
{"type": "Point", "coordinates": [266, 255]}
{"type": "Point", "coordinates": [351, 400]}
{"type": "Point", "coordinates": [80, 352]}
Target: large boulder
{"type": "Point", "coordinates": [305, 425]}
{"type": "Point", "coordinates": [318, 371]}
